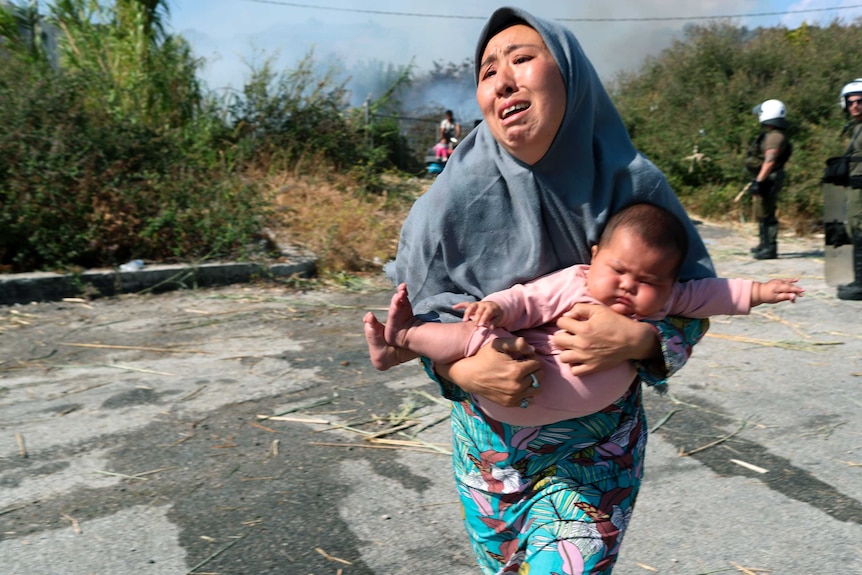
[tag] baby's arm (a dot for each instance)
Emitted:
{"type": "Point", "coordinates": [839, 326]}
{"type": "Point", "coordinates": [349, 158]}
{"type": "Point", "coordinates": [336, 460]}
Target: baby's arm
{"type": "Point", "coordinates": [775, 291]}
{"type": "Point", "coordinates": [484, 313]}
{"type": "Point", "coordinates": [726, 296]}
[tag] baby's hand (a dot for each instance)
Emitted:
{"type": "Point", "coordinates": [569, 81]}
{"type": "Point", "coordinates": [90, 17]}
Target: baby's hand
{"type": "Point", "coordinates": [484, 313]}
{"type": "Point", "coordinates": [775, 291]}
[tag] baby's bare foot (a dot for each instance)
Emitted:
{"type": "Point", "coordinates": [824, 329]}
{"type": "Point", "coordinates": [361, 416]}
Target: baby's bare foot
{"type": "Point", "coordinates": [383, 356]}
{"type": "Point", "coordinates": [399, 319]}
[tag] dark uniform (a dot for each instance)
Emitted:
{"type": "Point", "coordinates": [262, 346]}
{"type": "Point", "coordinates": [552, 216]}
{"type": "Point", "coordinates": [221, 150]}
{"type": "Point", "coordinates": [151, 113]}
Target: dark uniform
{"type": "Point", "coordinates": [772, 145]}
{"type": "Point", "coordinates": [854, 196]}
{"type": "Point", "coordinates": [853, 290]}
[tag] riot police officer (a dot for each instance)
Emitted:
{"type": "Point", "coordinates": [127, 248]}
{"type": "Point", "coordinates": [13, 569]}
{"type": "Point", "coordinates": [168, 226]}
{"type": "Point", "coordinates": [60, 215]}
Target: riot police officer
{"type": "Point", "coordinates": [851, 102]}
{"type": "Point", "coordinates": [765, 162]}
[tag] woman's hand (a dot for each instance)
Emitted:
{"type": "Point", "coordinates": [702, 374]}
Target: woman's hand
{"type": "Point", "coordinates": [595, 338]}
{"type": "Point", "coordinates": [499, 372]}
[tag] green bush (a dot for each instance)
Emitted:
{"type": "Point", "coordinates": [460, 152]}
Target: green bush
{"type": "Point", "coordinates": [700, 93]}
{"type": "Point", "coordinates": [290, 116]}
{"type": "Point", "coordinates": [108, 150]}
{"type": "Point", "coordinates": [82, 187]}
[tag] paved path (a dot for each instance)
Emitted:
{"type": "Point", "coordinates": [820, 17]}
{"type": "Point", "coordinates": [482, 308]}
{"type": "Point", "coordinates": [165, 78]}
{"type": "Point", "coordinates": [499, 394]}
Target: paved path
{"type": "Point", "coordinates": [131, 439]}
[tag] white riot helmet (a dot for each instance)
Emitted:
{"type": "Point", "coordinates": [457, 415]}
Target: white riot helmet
{"type": "Point", "coordinates": [854, 87]}
{"type": "Point", "coordinates": [771, 113]}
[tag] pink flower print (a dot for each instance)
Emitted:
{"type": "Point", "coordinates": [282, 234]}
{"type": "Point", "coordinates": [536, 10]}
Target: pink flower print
{"type": "Point", "coordinates": [573, 561]}
{"type": "Point", "coordinates": [482, 503]}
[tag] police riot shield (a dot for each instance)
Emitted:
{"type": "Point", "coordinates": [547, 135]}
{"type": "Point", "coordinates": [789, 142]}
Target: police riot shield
{"type": "Point", "coordinates": [838, 252]}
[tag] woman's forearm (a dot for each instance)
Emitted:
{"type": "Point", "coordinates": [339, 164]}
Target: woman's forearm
{"type": "Point", "coordinates": [647, 350]}
{"type": "Point", "coordinates": [594, 338]}
{"type": "Point", "coordinates": [499, 372]}
{"type": "Point", "coordinates": [647, 342]}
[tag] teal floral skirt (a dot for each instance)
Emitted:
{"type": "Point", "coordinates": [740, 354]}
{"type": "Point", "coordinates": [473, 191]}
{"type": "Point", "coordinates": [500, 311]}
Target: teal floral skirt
{"type": "Point", "coordinates": [554, 499]}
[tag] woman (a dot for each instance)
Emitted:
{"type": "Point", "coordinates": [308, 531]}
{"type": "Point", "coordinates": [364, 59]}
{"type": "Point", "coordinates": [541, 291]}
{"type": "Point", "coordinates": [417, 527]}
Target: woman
{"type": "Point", "coordinates": [525, 194]}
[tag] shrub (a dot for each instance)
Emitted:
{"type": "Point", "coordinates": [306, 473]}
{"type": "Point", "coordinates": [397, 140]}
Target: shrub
{"type": "Point", "coordinates": [83, 187]}
{"type": "Point", "coordinates": [701, 90]}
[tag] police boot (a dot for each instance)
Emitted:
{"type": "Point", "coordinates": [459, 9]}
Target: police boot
{"type": "Point", "coordinates": [853, 291]}
{"type": "Point", "coordinates": [769, 251]}
{"type": "Point", "coordinates": [762, 232]}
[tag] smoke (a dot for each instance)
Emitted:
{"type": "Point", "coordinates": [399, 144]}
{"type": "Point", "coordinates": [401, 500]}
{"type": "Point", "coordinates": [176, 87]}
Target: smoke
{"type": "Point", "coordinates": [368, 46]}
{"type": "Point", "coordinates": [613, 46]}
{"type": "Point", "coordinates": [456, 94]}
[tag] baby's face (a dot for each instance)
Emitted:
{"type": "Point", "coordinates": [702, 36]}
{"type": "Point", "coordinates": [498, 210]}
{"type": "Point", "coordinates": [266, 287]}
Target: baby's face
{"type": "Point", "coordinates": [631, 277]}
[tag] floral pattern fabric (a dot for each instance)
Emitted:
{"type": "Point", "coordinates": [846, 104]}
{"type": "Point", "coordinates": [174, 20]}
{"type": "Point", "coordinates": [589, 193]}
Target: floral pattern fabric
{"type": "Point", "coordinates": [678, 336]}
{"type": "Point", "coordinates": [557, 499]}
{"type": "Point", "coordinates": [554, 500]}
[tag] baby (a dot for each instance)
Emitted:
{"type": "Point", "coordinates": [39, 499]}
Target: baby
{"type": "Point", "coordinates": [634, 271]}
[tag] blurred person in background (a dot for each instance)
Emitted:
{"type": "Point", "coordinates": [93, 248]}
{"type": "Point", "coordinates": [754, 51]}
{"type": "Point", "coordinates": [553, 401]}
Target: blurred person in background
{"type": "Point", "coordinates": [450, 129]}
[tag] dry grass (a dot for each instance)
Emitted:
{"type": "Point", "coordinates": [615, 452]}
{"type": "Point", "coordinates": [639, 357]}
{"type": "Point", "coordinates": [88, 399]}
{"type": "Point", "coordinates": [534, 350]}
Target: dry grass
{"type": "Point", "coordinates": [743, 211]}
{"type": "Point", "coordinates": [327, 214]}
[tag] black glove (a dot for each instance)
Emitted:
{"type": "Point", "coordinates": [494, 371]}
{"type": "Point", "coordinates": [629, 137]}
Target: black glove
{"type": "Point", "coordinates": [760, 188]}
{"type": "Point", "coordinates": [836, 234]}
{"type": "Point", "coordinates": [754, 188]}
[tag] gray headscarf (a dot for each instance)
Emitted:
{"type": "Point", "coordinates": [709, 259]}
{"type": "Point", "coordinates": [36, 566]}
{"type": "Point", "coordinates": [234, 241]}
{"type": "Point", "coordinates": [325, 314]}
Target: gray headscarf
{"type": "Point", "coordinates": [490, 221]}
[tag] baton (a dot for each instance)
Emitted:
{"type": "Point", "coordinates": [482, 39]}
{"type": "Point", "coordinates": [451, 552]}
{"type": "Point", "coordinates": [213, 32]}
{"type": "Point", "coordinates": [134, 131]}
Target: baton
{"type": "Point", "coordinates": [741, 193]}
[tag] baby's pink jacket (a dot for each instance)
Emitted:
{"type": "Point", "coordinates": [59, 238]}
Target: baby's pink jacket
{"type": "Point", "coordinates": [532, 309]}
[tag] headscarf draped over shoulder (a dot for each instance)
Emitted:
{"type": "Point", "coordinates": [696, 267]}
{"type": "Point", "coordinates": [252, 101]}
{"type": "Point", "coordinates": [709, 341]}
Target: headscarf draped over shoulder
{"type": "Point", "coordinates": [490, 221]}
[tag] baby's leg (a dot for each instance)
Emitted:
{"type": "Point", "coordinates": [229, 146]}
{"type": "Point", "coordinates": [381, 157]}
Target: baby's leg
{"type": "Point", "coordinates": [443, 342]}
{"type": "Point", "coordinates": [383, 356]}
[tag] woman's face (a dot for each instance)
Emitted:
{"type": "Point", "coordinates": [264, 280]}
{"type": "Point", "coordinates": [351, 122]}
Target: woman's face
{"type": "Point", "coordinates": [521, 92]}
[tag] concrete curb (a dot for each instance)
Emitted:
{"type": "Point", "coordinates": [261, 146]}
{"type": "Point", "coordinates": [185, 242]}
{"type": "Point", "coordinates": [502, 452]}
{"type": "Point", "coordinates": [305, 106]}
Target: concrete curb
{"type": "Point", "coordinates": [47, 286]}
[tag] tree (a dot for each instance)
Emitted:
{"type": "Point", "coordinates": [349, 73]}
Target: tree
{"type": "Point", "coordinates": [137, 69]}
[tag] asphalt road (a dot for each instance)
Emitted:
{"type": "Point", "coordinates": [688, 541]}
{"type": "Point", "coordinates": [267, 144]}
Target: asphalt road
{"type": "Point", "coordinates": [241, 430]}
